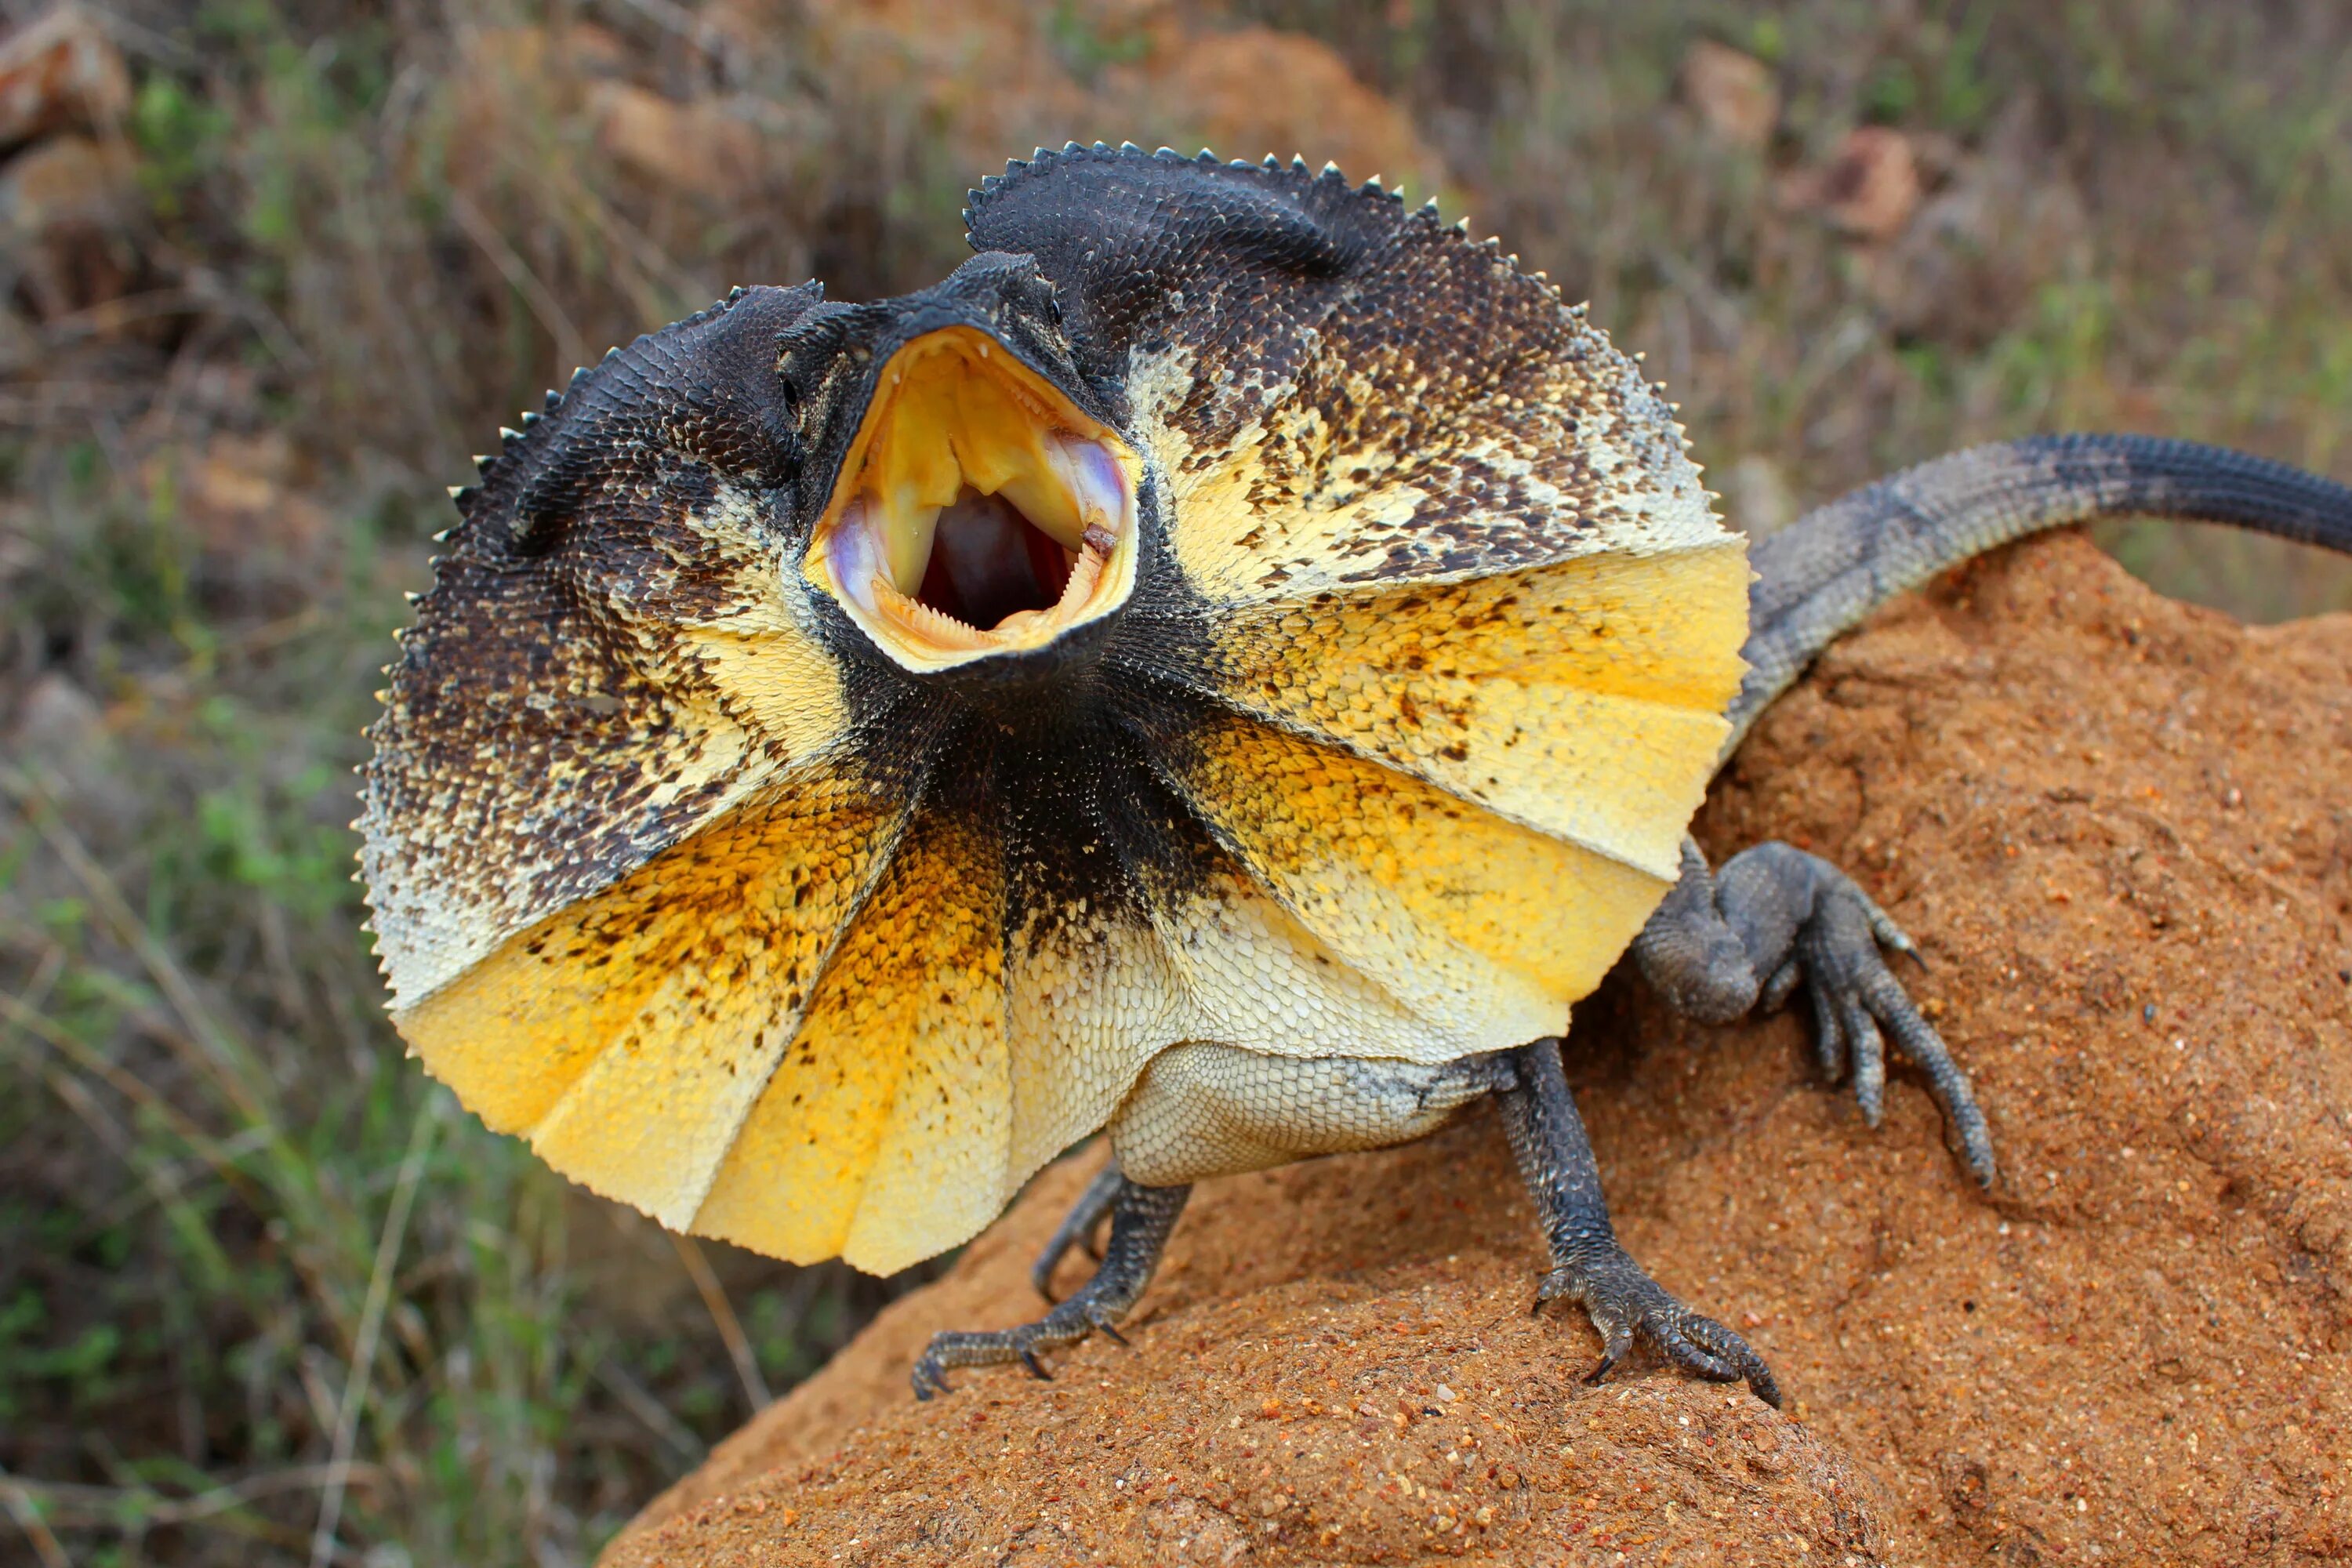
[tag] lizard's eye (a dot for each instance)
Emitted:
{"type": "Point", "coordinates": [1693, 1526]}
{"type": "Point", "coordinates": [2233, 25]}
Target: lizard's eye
{"type": "Point", "coordinates": [977, 511]}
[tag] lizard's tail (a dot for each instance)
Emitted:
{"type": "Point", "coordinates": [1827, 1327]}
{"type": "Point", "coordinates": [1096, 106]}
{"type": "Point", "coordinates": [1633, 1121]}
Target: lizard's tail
{"type": "Point", "coordinates": [1838, 563]}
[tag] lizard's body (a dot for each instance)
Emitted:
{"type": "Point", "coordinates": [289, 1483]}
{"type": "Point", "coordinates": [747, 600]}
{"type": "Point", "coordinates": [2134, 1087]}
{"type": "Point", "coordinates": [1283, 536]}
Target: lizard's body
{"type": "Point", "coordinates": [1227, 668]}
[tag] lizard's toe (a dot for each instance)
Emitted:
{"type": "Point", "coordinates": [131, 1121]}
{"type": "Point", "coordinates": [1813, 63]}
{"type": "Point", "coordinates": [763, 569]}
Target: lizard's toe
{"type": "Point", "coordinates": [1844, 963]}
{"type": "Point", "coordinates": [1839, 954]}
{"type": "Point", "coordinates": [1140, 1217]}
{"type": "Point", "coordinates": [1716, 1353]}
{"type": "Point", "coordinates": [1627, 1306]}
{"type": "Point", "coordinates": [997, 1347]}
{"type": "Point", "coordinates": [930, 1376]}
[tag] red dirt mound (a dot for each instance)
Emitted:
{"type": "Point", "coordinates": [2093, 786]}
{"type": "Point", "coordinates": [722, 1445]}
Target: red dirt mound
{"type": "Point", "coordinates": [2120, 830]}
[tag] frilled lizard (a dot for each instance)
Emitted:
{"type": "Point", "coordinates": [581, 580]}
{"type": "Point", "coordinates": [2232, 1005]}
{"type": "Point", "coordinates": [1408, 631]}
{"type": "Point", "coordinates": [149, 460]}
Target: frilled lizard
{"type": "Point", "coordinates": [1229, 667]}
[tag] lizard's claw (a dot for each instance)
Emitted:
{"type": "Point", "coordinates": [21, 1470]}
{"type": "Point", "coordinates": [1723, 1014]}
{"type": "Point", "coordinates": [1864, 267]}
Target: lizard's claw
{"type": "Point", "coordinates": [1835, 951]}
{"type": "Point", "coordinates": [1627, 1305]}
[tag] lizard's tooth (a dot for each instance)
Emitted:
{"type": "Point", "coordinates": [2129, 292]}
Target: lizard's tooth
{"type": "Point", "coordinates": [1082, 487]}
{"type": "Point", "coordinates": [1045, 491]}
{"type": "Point", "coordinates": [908, 528]}
{"type": "Point", "coordinates": [1099, 484]}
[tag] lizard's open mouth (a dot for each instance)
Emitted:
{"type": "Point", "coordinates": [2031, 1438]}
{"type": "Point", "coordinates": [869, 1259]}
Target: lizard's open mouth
{"type": "Point", "coordinates": [978, 510]}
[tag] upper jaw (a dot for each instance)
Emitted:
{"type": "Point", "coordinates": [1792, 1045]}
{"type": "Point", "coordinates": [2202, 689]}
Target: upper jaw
{"type": "Point", "coordinates": [978, 510]}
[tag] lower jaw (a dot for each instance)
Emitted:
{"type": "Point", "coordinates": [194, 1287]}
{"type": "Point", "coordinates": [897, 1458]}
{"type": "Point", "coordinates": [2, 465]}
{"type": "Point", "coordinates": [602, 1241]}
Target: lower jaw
{"type": "Point", "coordinates": [1035, 693]}
{"type": "Point", "coordinates": [1021, 629]}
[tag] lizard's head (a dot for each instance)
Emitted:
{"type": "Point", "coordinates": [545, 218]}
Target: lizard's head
{"type": "Point", "coordinates": [844, 744]}
{"type": "Point", "coordinates": [975, 501]}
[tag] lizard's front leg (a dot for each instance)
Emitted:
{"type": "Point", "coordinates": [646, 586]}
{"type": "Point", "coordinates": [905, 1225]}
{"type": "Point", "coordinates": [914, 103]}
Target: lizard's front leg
{"type": "Point", "coordinates": [1078, 1226]}
{"type": "Point", "coordinates": [1588, 1266]}
{"type": "Point", "coordinates": [1141, 1219]}
{"type": "Point", "coordinates": [1774, 917]}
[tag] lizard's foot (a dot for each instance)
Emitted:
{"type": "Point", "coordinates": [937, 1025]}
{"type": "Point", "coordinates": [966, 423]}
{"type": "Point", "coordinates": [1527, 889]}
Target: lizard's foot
{"type": "Point", "coordinates": [1774, 917]}
{"type": "Point", "coordinates": [1077, 1227]}
{"type": "Point", "coordinates": [1141, 1219]}
{"type": "Point", "coordinates": [1625, 1305]}
{"type": "Point", "coordinates": [1589, 1267]}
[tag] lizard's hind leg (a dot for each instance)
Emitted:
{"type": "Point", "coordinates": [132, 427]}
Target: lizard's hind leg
{"type": "Point", "coordinates": [1589, 1266]}
{"type": "Point", "coordinates": [1141, 1219]}
{"type": "Point", "coordinates": [1772, 917]}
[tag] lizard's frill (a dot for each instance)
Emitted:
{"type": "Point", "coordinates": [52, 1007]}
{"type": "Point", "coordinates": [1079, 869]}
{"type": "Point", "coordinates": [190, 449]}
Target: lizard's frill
{"type": "Point", "coordinates": [1419, 685]}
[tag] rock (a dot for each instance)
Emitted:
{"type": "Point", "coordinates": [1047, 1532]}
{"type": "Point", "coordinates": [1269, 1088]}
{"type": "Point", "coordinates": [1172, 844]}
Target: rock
{"type": "Point", "coordinates": [67, 741]}
{"type": "Point", "coordinates": [701, 146]}
{"type": "Point", "coordinates": [513, 89]}
{"type": "Point", "coordinates": [894, 103]}
{"type": "Point", "coordinates": [2117, 826]}
{"type": "Point", "coordinates": [61, 724]}
{"type": "Point", "coordinates": [514, 81]}
{"type": "Point", "coordinates": [1735, 95]}
{"type": "Point", "coordinates": [992, 77]}
{"type": "Point", "coordinates": [57, 72]}
{"type": "Point", "coordinates": [2003, 226]}
{"type": "Point", "coordinates": [1428, 1415]}
{"type": "Point", "coordinates": [67, 183]}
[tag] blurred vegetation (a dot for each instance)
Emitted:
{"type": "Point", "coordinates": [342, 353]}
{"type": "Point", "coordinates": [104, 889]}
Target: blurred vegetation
{"type": "Point", "coordinates": [265, 1295]}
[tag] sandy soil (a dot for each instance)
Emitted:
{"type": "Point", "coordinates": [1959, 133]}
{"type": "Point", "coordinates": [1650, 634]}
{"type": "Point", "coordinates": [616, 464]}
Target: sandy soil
{"type": "Point", "coordinates": [2121, 830]}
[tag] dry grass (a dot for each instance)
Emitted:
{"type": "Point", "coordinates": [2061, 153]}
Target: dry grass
{"type": "Point", "coordinates": [266, 1296]}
